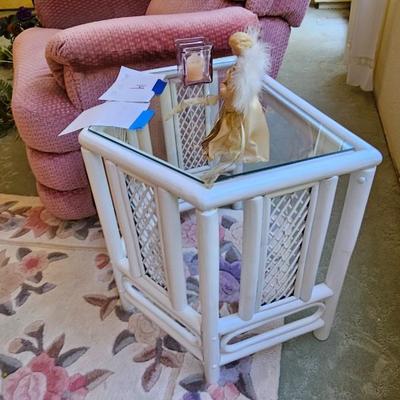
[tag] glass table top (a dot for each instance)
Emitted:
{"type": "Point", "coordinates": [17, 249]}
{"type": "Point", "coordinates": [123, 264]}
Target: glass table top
{"type": "Point", "coordinates": [174, 138]}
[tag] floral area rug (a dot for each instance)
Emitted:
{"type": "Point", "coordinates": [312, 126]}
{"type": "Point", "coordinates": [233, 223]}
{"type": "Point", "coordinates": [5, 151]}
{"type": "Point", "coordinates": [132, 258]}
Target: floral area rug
{"type": "Point", "coordinates": [64, 335]}
{"type": "Point", "coordinates": [25, 220]}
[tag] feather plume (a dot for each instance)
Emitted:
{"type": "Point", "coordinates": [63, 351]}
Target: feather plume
{"type": "Point", "coordinates": [251, 67]}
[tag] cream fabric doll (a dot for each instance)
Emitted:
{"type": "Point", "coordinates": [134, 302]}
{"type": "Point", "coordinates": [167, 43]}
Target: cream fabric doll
{"type": "Point", "coordinates": [241, 132]}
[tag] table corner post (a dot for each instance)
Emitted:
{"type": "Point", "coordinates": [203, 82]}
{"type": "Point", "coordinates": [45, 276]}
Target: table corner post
{"type": "Point", "coordinates": [357, 194]}
{"type": "Point", "coordinates": [208, 245]}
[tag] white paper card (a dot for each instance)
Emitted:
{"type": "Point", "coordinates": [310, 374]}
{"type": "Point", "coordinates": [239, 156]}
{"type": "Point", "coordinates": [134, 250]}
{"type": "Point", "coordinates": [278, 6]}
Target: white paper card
{"type": "Point", "coordinates": [132, 85]}
{"type": "Point", "coordinates": [117, 114]}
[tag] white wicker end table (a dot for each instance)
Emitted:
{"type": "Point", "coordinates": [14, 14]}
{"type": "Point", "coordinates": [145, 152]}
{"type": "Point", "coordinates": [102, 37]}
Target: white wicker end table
{"type": "Point", "coordinates": [286, 209]}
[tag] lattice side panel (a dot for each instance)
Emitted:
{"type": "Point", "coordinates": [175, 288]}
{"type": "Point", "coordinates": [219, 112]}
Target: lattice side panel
{"type": "Point", "coordinates": [287, 223]}
{"type": "Point", "coordinates": [192, 127]}
{"type": "Point", "coordinates": [144, 212]}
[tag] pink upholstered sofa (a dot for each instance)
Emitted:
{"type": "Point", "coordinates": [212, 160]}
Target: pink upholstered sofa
{"type": "Point", "coordinates": [62, 67]}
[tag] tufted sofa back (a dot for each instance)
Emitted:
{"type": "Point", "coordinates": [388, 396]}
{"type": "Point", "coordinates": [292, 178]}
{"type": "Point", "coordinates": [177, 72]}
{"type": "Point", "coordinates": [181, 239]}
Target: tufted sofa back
{"type": "Point", "coordinates": [63, 14]}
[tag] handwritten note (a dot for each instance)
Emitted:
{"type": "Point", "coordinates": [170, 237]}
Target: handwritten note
{"type": "Point", "coordinates": [127, 102]}
{"type": "Point", "coordinates": [134, 86]}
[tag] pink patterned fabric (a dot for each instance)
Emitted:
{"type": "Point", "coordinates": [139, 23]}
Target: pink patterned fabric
{"type": "Point", "coordinates": [63, 14]}
{"type": "Point", "coordinates": [48, 168]}
{"type": "Point", "coordinates": [157, 7]}
{"type": "Point", "coordinates": [40, 107]}
{"type": "Point", "coordinates": [86, 85]}
{"type": "Point", "coordinates": [73, 204]}
{"type": "Point", "coordinates": [275, 32]}
{"type": "Point", "coordinates": [292, 11]}
{"type": "Point", "coordinates": [41, 110]}
{"type": "Point", "coordinates": [75, 54]}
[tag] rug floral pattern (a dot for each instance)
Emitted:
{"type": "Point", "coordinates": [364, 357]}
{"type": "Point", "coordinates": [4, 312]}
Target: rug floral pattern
{"type": "Point", "coordinates": [22, 220]}
{"type": "Point", "coordinates": [18, 280]}
{"type": "Point", "coordinates": [25, 219]}
{"type": "Point", "coordinates": [45, 376]}
{"type": "Point", "coordinates": [66, 335]}
{"type": "Point", "coordinates": [159, 350]}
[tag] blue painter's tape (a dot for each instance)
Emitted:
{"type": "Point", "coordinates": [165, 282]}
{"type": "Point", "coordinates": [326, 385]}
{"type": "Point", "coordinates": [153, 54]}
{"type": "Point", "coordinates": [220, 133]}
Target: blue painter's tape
{"type": "Point", "coordinates": [142, 120]}
{"type": "Point", "coordinates": [159, 87]}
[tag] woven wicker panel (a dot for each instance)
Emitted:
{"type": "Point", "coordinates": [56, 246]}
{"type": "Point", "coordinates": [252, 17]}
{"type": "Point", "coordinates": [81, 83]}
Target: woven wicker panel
{"type": "Point", "coordinates": [192, 127]}
{"type": "Point", "coordinates": [285, 238]}
{"type": "Point", "coordinates": [144, 213]}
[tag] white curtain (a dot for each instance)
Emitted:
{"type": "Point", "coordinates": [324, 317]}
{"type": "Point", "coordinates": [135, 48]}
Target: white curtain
{"type": "Point", "coordinates": [365, 25]}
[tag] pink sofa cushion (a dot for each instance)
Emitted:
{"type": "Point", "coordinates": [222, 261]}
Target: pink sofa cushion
{"type": "Point", "coordinates": [276, 32]}
{"type": "Point", "coordinates": [63, 14]}
{"type": "Point", "coordinates": [74, 204]}
{"type": "Point", "coordinates": [292, 11]}
{"type": "Point", "coordinates": [40, 107]}
{"type": "Point", "coordinates": [91, 83]}
{"type": "Point", "coordinates": [79, 56]}
{"type": "Point", "coordinates": [61, 172]}
{"type": "Point", "coordinates": [157, 7]}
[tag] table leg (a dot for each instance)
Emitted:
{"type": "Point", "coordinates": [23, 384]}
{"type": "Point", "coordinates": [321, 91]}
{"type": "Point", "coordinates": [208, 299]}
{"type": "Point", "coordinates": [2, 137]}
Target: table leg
{"type": "Point", "coordinates": [349, 227]}
{"type": "Point", "coordinates": [208, 250]}
{"type": "Point", "coordinates": [105, 208]}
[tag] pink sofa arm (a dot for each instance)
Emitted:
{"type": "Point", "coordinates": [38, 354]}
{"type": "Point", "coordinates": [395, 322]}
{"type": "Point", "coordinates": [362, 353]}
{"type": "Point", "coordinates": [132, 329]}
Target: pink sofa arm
{"type": "Point", "coordinates": [292, 11]}
{"type": "Point", "coordinates": [89, 49]}
{"type": "Point", "coordinates": [62, 14]}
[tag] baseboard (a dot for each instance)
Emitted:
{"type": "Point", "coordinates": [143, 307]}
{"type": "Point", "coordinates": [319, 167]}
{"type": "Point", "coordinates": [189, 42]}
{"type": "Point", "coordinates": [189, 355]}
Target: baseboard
{"type": "Point", "coordinates": [335, 5]}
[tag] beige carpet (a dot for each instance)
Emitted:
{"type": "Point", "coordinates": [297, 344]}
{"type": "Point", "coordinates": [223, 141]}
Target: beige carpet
{"type": "Point", "coordinates": [361, 358]}
{"type": "Point", "coordinates": [65, 336]}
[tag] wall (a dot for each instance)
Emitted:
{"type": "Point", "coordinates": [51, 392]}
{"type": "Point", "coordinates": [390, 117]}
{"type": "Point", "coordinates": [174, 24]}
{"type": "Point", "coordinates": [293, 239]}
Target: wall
{"type": "Point", "coordinates": [387, 80]}
{"type": "Point", "coordinates": [12, 4]}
